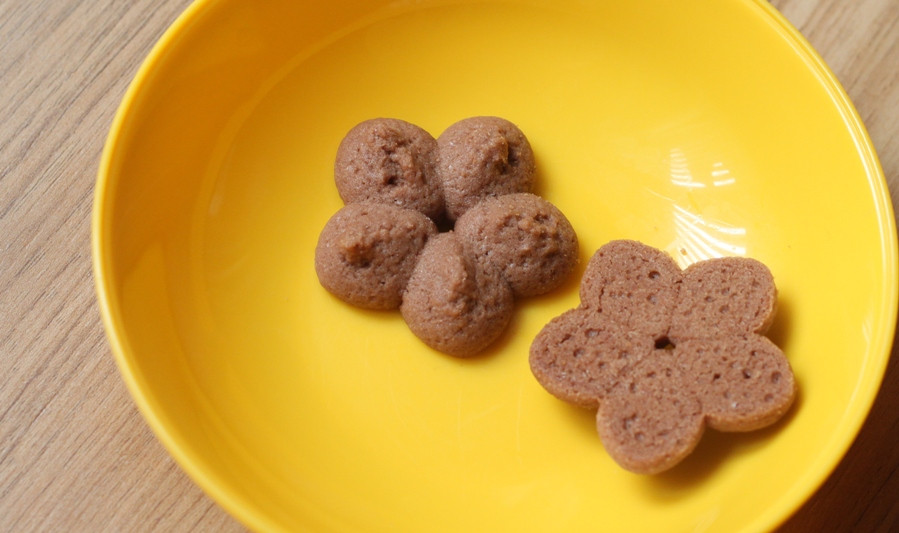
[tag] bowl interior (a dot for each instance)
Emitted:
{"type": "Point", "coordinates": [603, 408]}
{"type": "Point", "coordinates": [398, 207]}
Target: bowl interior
{"type": "Point", "coordinates": [703, 128]}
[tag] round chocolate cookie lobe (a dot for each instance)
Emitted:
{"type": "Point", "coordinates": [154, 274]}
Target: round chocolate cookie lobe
{"type": "Point", "coordinates": [367, 252]}
{"type": "Point", "coordinates": [744, 383]}
{"type": "Point", "coordinates": [525, 237]}
{"type": "Point", "coordinates": [649, 422]}
{"type": "Point", "coordinates": [452, 303]}
{"type": "Point", "coordinates": [579, 357]}
{"type": "Point", "coordinates": [727, 295]}
{"type": "Point", "coordinates": [480, 157]}
{"type": "Point", "coordinates": [634, 283]}
{"type": "Point", "coordinates": [389, 161]}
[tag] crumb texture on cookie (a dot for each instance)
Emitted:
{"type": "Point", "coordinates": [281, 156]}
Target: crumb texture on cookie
{"type": "Point", "coordinates": [481, 157]}
{"type": "Point", "coordinates": [367, 252]}
{"type": "Point", "coordinates": [390, 161]}
{"type": "Point", "coordinates": [455, 289]}
{"type": "Point", "coordinates": [525, 237]}
{"type": "Point", "coordinates": [452, 303]}
{"type": "Point", "coordinates": [662, 353]}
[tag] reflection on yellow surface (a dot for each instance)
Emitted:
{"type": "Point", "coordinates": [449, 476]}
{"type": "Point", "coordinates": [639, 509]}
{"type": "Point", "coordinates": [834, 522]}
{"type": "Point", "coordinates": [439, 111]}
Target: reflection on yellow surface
{"type": "Point", "coordinates": [697, 236]}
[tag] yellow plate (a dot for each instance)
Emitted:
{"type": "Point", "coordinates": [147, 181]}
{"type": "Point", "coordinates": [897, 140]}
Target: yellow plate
{"type": "Point", "coordinates": [704, 128]}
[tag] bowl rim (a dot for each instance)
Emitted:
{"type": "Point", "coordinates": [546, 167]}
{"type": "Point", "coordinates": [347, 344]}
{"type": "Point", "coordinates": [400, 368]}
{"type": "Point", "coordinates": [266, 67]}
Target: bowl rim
{"type": "Point", "coordinates": [102, 272]}
{"type": "Point", "coordinates": [249, 515]}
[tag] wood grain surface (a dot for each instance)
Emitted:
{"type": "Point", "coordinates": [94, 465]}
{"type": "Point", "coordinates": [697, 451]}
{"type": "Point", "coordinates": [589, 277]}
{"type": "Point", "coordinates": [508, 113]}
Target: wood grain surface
{"type": "Point", "coordinates": [75, 455]}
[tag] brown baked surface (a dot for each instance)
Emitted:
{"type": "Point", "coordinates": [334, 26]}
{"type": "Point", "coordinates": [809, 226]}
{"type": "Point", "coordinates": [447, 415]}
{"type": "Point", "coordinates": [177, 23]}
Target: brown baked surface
{"type": "Point", "coordinates": [661, 353]}
{"type": "Point", "coordinates": [648, 422]}
{"type": "Point", "coordinates": [527, 238]}
{"type": "Point", "coordinates": [389, 161]}
{"type": "Point", "coordinates": [635, 283]}
{"type": "Point", "coordinates": [579, 357]}
{"type": "Point", "coordinates": [730, 294]}
{"type": "Point", "coordinates": [367, 251]}
{"type": "Point", "coordinates": [480, 157]}
{"type": "Point", "coordinates": [453, 303]}
{"type": "Point", "coordinates": [455, 290]}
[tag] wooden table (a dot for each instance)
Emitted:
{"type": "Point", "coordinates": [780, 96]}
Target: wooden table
{"type": "Point", "coordinates": [75, 455]}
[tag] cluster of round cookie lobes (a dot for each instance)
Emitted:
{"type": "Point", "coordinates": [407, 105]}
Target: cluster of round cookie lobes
{"type": "Point", "coordinates": [455, 289]}
{"type": "Point", "coordinates": [661, 352]}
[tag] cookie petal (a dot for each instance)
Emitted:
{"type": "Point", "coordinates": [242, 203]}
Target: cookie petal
{"type": "Point", "coordinates": [649, 423]}
{"type": "Point", "coordinates": [523, 236]}
{"type": "Point", "coordinates": [743, 383]}
{"type": "Point", "coordinates": [728, 295]}
{"type": "Point", "coordinates": [579, 356]}
{"type": "Point", "coordinates": [367, 252]}
{"type": "Point", "coordinates": [452, 304]}
{"type": "Point", "coordinates": [634, 284]}
{"type": "Point", "coordinates": [482, 157]}
{"type": "Point", "coordinates": [389, 161]}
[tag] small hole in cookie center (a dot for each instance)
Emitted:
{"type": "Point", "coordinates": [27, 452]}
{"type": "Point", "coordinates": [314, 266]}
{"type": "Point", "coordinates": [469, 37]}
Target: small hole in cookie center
{"type": "Point", "coordinates": [664, 343]}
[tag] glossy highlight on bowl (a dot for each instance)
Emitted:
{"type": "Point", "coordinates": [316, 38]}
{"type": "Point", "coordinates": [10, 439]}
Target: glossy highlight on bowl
{"type": "Point", "coordinates": [702, 128]}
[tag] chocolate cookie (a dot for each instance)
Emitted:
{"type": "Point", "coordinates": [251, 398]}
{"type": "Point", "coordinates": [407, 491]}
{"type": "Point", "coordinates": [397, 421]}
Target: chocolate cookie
{"type": "Point", "coordinates": [480, 157]}
{"type": "Point", "coordinates": [389, 161]}
{"type": "Point", "coordinates": [452, 302]}
{"type": "Point", "coordinates": [635, 283]}
{"type": "Point", "coordinates": [455, 290]}
{"type": "Point", "coordinates": [527, 238]}
{"type": "Point", "coordinates": [367, 251]}
{"type": "Point", "coordinates": [661, 353]}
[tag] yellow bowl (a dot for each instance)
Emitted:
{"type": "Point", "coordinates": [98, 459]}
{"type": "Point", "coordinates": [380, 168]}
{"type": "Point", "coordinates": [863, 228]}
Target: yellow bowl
{"type": "Point", "coordinates": [703, 128]}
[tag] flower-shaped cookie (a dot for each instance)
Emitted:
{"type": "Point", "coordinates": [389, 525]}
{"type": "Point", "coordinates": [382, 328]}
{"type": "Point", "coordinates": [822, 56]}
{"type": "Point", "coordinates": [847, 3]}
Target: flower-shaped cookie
{"type": "Point", "coordinates": [661, 352]}
{"type": "Point", "coordinates": [455, 289]}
